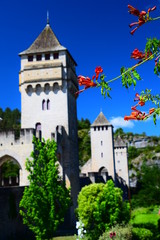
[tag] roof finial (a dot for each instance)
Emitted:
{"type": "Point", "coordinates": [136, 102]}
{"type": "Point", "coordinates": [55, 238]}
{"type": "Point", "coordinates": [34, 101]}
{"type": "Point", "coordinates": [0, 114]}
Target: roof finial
{"type": "Point", "coordinates": [47, 18]}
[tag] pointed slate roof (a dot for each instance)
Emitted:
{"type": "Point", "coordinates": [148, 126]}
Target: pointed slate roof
{"type": "Point", "coordinates": [118, 142]}
{"type": "Point", "coordinates": [101, 120]}
{"type": "Point", "coordinates": [46, 41]}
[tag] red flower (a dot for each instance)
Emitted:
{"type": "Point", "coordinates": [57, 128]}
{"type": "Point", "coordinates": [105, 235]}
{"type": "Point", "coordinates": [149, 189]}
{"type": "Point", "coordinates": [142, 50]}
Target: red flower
{"type": "Point", "coordinates": [136, 114]}
{"type": "Point", "coordinates": [143, 17]}
{"type": "Point", "coordinates": [98, 70]}
{"type": "Point", "coordinates": [112, 234]}
{"type": "Point", "coordinates": [133, 10]}
{"type": "Point", "coordinates": [86, 82]}
{"type": "Point", "coordinates": [140, 99]}
{"type": "Point", "coordinates": [136, 54]}
{"type": "Point", "coordinates": [151, 110]}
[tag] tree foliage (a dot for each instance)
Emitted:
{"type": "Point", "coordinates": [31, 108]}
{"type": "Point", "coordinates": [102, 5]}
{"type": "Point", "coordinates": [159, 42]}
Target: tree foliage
{"type": "Point", "coordinates": [149, 181]}
{"type": "Point", "coordinates": [46, 200]}
{"type": "Point", "coordinates": [10, 119]}
{"type": "Point", "coordinates": [100, 206]}
{"type": "Point", "coordinates": [9, 169]}
{"type": "Point", "coordinates": [84, 142]}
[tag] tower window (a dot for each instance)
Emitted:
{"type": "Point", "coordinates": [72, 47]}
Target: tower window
{"type": "Point", "coordinates": [47, 56]}
{"type": "Point", "coordinates": [94, 128]}
{"type": "Point", "coordinates": [102, 155]}
{"type": "Point", "coordinates": [102, 128]}
{"type": "Point", "coordinates": [43, 105]}
{"type": "Point", "coordinates": [56, 55]}
{"type": "Point", "coordinates": [106, 128]}
{"type": "Point", "coordinates": [48, 104]}
{"type": "Point", "coordinates": [101, 143]}
{"type": "Point", "coordinates": [38, 126]}
{"type": "Point", "coordinates": [30, 58]}
{"type": "Point", "coordinates": [39, 57]}
{"type": "Point", "coordinates": [98, 128]}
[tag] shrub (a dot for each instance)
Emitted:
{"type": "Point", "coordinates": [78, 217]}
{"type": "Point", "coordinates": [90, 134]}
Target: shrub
{"type": "Point", "coordinates": [100, 206]}
{"type": "Point", "coordinates": [122, 232]}
{"type": "Point", "coordinates": [141, 234]}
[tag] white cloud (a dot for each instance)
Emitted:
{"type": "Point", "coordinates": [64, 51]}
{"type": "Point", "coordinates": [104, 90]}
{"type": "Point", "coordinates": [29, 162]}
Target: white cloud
{"type": "Point", "coordinates": [119, 122]}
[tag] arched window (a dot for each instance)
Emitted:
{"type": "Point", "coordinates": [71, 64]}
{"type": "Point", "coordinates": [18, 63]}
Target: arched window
{"type": "Point", "coordinates": [43, 105]}
{"type": "Point", "coordinates": [48, 104]}
{"type": "Point", "coordinates": [38, 126]}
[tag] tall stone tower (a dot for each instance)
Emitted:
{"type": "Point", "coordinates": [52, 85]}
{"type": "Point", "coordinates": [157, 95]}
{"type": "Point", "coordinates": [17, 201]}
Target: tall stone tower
{"type": "Point", "coordinates": [47, 82]}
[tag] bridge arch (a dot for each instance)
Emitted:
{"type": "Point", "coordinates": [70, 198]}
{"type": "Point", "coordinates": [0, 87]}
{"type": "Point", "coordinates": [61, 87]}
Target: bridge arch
{"type": "Point", "coordinates": [9, 172]}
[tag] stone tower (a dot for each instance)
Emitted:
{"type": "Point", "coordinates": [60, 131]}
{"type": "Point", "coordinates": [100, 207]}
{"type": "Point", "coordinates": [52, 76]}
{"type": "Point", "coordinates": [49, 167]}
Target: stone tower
{"type": "Point", "coordinates": [102, 148]}
{"type": "Point", "coordinates": [48, 82]}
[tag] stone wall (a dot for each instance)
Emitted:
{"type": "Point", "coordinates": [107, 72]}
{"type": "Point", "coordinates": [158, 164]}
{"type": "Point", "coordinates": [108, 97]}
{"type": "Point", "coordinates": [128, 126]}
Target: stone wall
{"type": "Point", "coordinates": [17, 150]}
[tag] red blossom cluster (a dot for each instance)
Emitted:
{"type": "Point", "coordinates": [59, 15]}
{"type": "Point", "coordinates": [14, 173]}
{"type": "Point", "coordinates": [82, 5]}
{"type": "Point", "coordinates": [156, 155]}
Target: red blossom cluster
{"type": "Point", "coordinates": [112, 234]}
{"type": "Point", "coordinates": [139, 55]}
{"type": "Point", "coordinates": [88, 82]}
{"type": "Point", "coordinates": [143, 17]}
{"type": "Point", "coordinates": [136, 114]}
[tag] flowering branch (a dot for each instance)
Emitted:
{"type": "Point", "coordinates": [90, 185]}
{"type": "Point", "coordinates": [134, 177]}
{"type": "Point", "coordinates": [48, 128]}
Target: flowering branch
{"type": "Point", "coordinates": [129, 75]}
{"type": "Point", "coordinates": [143, 17]}
{"type": "Point", "coordinates": [142, 99]}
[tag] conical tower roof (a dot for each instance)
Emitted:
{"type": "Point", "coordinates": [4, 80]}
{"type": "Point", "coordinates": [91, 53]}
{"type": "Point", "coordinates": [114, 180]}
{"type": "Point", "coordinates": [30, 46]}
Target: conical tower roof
{"type": "Point", "coordinates": [118, 142]}
{"type": "Point", "coordinates": [45, 42]}
{"type": "Point", "coordinates": [101, 120]}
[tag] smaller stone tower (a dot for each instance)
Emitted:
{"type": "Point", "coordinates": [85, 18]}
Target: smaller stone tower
{"type": "Point", "coordinates": [121, 160]}
{"type": "Point", "coordinates": [102, 148]}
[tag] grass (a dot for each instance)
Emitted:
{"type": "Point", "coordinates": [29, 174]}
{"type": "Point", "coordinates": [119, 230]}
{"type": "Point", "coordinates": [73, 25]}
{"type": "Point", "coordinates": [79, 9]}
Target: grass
{"type": "Point", "coordinates": [65, 238]}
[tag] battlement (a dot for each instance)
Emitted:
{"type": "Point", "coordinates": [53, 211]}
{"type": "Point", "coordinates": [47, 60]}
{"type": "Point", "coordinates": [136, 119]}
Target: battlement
{"type": "Point", "coordinates": [11, 137]}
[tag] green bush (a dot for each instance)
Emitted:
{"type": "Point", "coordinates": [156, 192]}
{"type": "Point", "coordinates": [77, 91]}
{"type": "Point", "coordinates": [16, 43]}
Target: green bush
{"type": "Point", "coordinates": [142, 234]}
{"type": "Point", "coordinates": [101, 206]}
{"type": "Point", "coordinates": [121, 233]}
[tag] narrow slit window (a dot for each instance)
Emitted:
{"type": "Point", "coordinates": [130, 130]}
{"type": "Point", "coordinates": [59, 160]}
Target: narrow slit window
{"type": "Point", "coordinates": [48, 104]}
{"type": "Point", "coordinates": [43, 105]}
{"type": "Point", "coordinates": [102, 155]}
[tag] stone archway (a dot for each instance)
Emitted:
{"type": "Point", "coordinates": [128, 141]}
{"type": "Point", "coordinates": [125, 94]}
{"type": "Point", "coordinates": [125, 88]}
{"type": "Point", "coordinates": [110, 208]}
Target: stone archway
{"type": "Point", "coordinates": [102, 170]}
{"type": "Point", "coordinates": [9, 171]}
{"type": "Point", "coordinates": [104, 173]}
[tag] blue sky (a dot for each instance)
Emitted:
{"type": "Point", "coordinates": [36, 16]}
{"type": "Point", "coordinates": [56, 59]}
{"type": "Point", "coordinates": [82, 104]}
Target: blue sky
{"type": "Point", "coordinates": [96, 33]}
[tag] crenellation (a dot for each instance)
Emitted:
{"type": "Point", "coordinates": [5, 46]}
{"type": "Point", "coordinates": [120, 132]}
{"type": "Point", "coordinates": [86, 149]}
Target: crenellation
{"type": "Point", "coordinates": [10, 137]}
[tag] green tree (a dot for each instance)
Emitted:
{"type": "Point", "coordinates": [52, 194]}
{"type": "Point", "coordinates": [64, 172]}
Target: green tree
{"type": "Point", "coordinates": [149, 182]}
{"type": "Point", "coordinates": [100, 206]}
{"type": "Point", "coordinates": [10, 120]}
{"type": "Point", "coordinates": [46, 200]}
{"type": "Point", "coordinates": [84, 124]}
{"type": "Point", "coordinates": [119, 132]}
{"type": "Point", "coordinates": [84, 142]}
{"type": "Point", "coordinates": [10, 169]}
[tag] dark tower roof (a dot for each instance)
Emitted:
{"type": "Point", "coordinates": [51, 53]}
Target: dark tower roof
{"type": "Point", "coordinates": [118, 142]}
{"type": "Point", "coordinates": [101, 120]}
{"type": "Point", "coordinates": [46, 41]}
